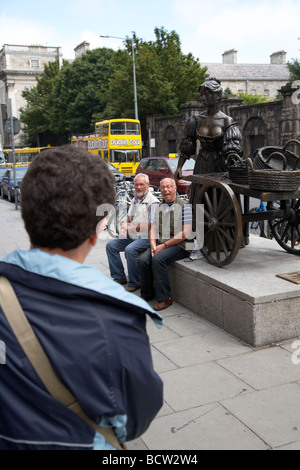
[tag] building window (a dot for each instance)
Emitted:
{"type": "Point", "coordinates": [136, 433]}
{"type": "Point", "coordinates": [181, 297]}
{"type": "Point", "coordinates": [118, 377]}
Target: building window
{"type": "Point", "coordinates": [35, 63]}
{"type": "Point", "coordinates": [266, 92]}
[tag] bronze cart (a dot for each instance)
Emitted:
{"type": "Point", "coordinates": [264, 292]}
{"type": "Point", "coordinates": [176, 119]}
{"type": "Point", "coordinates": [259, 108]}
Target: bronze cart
{"type": "Point", "coordinates": [227, 216]}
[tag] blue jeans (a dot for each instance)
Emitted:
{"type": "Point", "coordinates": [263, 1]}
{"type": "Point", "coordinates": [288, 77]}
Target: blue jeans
{"type": "Point", "coordinates": [154, 272]}
{"type": "Point", "coordinates": [132, 249]}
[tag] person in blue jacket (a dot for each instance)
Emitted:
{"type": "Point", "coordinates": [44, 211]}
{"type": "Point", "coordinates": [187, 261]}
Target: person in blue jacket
{"type": "Point", "coordinates": [92, 330]}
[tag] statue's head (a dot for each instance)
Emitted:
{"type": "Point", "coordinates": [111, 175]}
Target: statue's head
{"type": "Point", "coordinates": [214, 86]}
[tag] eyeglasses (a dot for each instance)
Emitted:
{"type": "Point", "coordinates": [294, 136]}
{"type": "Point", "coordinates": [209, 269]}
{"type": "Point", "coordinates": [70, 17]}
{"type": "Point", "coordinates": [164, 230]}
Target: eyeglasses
{"type": "Point", "coordinates": [168, 186]}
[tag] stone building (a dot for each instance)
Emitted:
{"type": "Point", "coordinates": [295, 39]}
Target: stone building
{"type": "Point", "coordinates": [260, 79]}
{"type": "Point", "coordinates": [19, 68]}
{"type": "Point", "coordinates": [264, 124]}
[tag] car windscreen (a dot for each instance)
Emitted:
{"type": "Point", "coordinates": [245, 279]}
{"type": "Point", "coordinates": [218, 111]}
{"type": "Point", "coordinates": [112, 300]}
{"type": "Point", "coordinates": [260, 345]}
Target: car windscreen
{"type": "Point", "coordinates": [188, 165]}
{"type": "Point", "coordinates": [20, 173]}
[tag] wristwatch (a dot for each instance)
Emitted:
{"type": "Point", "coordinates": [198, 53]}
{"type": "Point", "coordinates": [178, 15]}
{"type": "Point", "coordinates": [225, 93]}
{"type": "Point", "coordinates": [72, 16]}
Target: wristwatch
{"type": "Point", "coordinates": [166, 246]}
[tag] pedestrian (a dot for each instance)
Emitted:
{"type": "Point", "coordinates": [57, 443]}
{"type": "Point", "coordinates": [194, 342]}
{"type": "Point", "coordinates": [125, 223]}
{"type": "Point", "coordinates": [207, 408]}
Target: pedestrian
{"type": "Point", "coordinates": [168, 235]}
{"type": "Point", "coordinates": [134, 235]}
{"type": "Point", "coordinates": [92, 331]}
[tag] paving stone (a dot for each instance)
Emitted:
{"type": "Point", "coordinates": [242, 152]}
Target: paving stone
{"type": "Point", "coordinates": [200, 384]}
{"type": "Point", "coordinates": [208, 427]}
{"type": "Point", "coordinates": [273, 414]}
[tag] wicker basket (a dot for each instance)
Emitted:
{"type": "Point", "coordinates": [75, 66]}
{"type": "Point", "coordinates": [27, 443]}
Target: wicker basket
{"type": "Point", "coordinates": [261, 157]}
{"type": "Point", "coordinates": [273, 180]}
{"type": "Point", "coordinates": [237, 169]}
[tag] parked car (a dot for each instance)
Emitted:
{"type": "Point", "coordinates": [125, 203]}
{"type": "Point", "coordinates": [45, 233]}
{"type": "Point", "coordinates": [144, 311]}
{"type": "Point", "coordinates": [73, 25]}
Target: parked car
{"type": "Point", "coordinates": [118, 174]}
{"type": "Point", "coordinates": [3, 169]}
{"type": "Point", "coordinates": [158, 168]}
{"type": "Point", "coordinates": [8, 188]}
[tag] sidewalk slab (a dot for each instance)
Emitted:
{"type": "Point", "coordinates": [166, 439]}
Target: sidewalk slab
{"type": "Point", "coordinates": [273, 414]}
{"type": "Point", "coordinates": [209, 427]}
{"type": "Point", "coordinates": [263, 369]}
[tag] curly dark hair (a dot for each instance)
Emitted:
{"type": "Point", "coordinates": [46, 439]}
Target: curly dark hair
{"type": "Point", "coordinates": [61, 192]}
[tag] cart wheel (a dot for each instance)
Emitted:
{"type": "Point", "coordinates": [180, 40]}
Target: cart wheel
{"type": "Point", "coordinates": [222, 223]}
{"type": "Point", "coordinates": [286, 231]}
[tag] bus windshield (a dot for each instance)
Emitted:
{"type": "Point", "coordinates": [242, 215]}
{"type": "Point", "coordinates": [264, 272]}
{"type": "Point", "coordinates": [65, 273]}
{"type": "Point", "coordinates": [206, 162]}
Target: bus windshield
{"type": "Point", "coordinates": [125, 156]}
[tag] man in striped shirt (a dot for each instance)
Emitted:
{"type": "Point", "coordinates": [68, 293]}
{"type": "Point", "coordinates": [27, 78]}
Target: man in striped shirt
{"type": "Point", "coordinates": [168, 243]}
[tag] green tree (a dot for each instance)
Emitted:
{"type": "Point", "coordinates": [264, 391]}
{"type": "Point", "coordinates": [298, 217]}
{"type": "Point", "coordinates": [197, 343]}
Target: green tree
{"type": "Point", "coordinates": [80, 92]}
{"type": "Point", "coordinates": [294, 68]}
{"type": "Point", "coordinates": [35, 116]}
{"type": "Point", "coordinates": [248, 98]}
{"type": "Point", "coordinates": [227, 91]}
{"type": "Point", "coordinates": [166, 78]}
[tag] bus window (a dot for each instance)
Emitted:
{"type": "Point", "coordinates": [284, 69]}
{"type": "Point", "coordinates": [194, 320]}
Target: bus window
{"type": "Point", "coordinates": [105, 130]}
{"type": "Point", "coordinates": [137, 154]}
{"type": "Point", "coordinates": [130, 157]}
{"type": "Point", "coordinates": [125, 156]}
{"type": "Point", "coordinates": [105, 155]}
{"type": "Point", "coordinates": [25, 157]}
{"type": "Point", "coordinates": [132, 128]}
{"type": "Point", "coordinates": [117, 128]}
{"type": "Point", "coordinates": [98, 130]}
{"type": "Point", "coordinates": [118, 156]}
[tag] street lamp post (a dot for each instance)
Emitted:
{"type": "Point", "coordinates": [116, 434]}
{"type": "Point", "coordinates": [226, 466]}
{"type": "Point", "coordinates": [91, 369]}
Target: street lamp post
{"type": "Point", "coordinates": [134, 76]}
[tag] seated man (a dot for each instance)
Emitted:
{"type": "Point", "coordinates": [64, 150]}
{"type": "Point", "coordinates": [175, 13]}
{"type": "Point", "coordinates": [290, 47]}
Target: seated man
{"type": "Point", "coordinates": [172, 226]}
{"type": "Point", "coordinates": [134, 235]}
{"type": "Point", "coordinates": [92, 331]}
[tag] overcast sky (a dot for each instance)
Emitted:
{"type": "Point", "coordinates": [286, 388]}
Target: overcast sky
{"type": "Point", "coordinates": [255, 28]}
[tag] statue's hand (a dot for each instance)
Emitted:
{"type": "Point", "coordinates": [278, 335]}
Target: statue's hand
{"type": "Point", "coordinates": [177, 174]}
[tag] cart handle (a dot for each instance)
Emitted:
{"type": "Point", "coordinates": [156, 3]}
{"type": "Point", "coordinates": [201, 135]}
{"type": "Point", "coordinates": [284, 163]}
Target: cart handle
{"type": "Point", "coordinates": [292, 141]}
{"type": "Point", "coordinates": [234, 156]}
{"type": "Point", "coordinates": [278, 154]}
{"type": "Point", "coordinates": [249, 162]}
{"type": "Point", "coordinates": [297, 159]}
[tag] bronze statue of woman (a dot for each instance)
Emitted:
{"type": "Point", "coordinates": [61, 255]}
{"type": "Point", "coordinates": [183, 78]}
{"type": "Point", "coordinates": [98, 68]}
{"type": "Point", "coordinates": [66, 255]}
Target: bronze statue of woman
{"type": "Point", "coordinates": [218, 135]}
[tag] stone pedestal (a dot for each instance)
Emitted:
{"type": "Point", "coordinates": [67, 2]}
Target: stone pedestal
{"type": "Point", "coordinates": [246, 299]}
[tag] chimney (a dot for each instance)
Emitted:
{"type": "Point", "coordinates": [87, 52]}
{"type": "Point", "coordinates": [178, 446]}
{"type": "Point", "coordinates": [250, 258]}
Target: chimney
{"type": "Point", "coordinates": [230, 57]}
{"type": "Point", "coordinates": [81, 49]}
{"type": "Point", "coordinates": [278, 57]}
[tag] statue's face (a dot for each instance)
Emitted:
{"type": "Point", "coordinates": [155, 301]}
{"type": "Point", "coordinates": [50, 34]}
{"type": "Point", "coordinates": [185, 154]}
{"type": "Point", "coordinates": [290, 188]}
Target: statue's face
{"type": "Point", "coordinates": [208, 98]}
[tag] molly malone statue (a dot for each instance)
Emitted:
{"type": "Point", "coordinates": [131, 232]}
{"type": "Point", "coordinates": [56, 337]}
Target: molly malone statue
{"type": "Point", "coordinates": [217, 133]}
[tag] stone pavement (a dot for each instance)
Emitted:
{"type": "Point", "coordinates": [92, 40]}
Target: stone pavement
{"type": "Point", "coordinates": [219, 393]}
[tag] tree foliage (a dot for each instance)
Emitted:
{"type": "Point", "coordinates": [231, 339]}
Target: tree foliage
{"type": "Point", "coordinates": [248, 98]}
{"type": "Point", "coordinates": [35, 116]}
{"type": "Point", "coordinates": [294, 68]}
{"type": "Point", "coordinates": [165, 77]}
{"type": "Point", "coordinates": [99, 85]}
{"type": "Point", "coordinates": [80, 91]}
